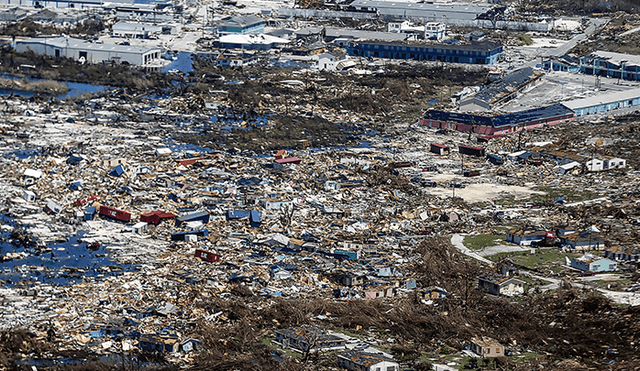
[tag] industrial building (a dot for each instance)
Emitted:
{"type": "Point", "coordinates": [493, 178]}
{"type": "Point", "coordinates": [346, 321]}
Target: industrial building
{"type": "Point", "coordinates": [251, 41]}
{"type": "Point", "coordinates": [483, 52]}
{"type": "Point", "coordinates": [609, 64]}
{"type": "Point", "coordinates": [82, 50]}
{"type": "Point", "coordinates": [500, 91]}
{"type": "Point", "coordinates": [240, 24]}
{"type": "Point", "coordinates": [604, 102]}
{"type": "Point", "coordinates": [498, 124]}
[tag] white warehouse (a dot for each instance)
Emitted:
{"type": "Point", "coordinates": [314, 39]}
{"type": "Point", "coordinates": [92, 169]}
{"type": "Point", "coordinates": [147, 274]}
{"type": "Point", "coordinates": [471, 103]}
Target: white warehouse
{"type": "Point", "coordinates": [78, 49]}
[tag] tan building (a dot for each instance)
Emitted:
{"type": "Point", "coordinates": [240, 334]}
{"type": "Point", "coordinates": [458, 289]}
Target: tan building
{"type": "Point", "coordinates": [486, 347]}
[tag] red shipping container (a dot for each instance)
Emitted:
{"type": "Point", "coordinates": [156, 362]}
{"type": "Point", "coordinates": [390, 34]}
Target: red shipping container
{"type": "Point", "coordinates": [110, 212]}
{"type": "Point", "coordinates": [207, 255]}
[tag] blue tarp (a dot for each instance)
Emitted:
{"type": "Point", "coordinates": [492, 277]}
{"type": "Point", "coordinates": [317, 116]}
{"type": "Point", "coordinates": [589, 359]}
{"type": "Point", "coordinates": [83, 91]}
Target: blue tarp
{"type": "Point", "coordinates": [254, 219]}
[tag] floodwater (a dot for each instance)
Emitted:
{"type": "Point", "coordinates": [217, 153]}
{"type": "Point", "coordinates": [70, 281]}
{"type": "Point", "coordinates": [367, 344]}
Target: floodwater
{"type": "Point", "coordinates": [76, 88]}
{"type": "Point", "coordinates": [59, 263]}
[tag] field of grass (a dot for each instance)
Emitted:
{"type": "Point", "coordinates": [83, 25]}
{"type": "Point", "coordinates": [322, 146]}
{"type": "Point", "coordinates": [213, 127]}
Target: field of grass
{"type": "Point", "coordinates": [479, 241]}
{"type": "Point", "coordinates": [541, 258]}
{"type": "Point", "coordinates": [550, 196]}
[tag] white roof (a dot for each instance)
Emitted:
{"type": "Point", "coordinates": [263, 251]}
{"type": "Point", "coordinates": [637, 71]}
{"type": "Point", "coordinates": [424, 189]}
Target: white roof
{"type": "Point", "coordinates": [135, 27]}
{"type": "Point", "coordinates": [252, 39]}
{"type": "Point", "coordinates": [618, 58]}
{"type": "Point", "coordinates": [570, 165]}
{"type": "Point", "coordinates": [33, 173]}
{"type": "Point", "coordinates": [597, 100]}
{"type": "Point", "coordinates": [71, 43]}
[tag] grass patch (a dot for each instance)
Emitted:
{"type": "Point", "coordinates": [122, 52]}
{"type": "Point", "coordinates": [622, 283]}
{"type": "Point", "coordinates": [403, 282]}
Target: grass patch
{"type": "Point", "coordinates": [541, 258]}
{"type": "Point", "coordinates": [480, 241]}
{"type": "Point", "coordinates": [550, 196]}
{"type": "Point", "coordinates": [526, 39]}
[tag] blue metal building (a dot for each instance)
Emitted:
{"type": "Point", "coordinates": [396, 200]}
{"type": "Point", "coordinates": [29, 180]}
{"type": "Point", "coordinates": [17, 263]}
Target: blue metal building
{"type": "Point", "coordinates": [482, 52]}
{"type": "Point", "coordinates": [609, 64]}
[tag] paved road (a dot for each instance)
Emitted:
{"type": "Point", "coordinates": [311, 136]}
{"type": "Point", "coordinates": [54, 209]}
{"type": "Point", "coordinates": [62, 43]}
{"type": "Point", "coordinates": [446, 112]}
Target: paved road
{"type": "Point", "coordinates": [457, 239]}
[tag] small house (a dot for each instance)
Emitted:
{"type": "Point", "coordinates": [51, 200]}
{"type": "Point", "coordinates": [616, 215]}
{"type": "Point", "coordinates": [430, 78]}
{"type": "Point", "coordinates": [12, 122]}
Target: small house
{"type": "Point", "coordinates": [592, 263]}
{"type": "Point", "coordinates": [594, 164]}
{"type": "Point", "coordinates": [434, 292]}
{"type": "Point", "coordinates": [486, 347]}
{"type": "Point", "coordinates": [527, 236]}
{"type": "Point", "coordinates": [439, 149]}
{"type": "Point", "coordinates": [351, 279]}
{"type": "Point", "coordinates": [365, 361]}
{"type": "Point", "coordinates": [623, 253]}
{"type": "Point", "coordinates": [500, 285]}
{"type": "Point", "coordinates": [610, 162]}
{"type": "Point", "coordinates": [113, 162]}
{"type": "Point", "coordinates": [585, 240]}
{"type": "Point", "coordinates": [307, 338]}
{"type": "Point", "coordinates": [375, 292]}
{"type": "Point", "coordinates": [159, 344]}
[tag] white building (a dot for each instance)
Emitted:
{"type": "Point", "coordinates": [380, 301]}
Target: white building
{"type": "Point", "coordinates": [82, 50]}
{"type": "Point", "coordinates": [594, 165]}
{"type": "Point", "coordinates": [430, 31]}
{"type": "Point", "coordinates": [135, 30]}
{"type": "Point", "coordinates": [609, 162]}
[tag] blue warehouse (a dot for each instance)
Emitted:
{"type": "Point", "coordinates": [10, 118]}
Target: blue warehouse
{"type": "Point", "coordinates": [475, 52]}
{"type": "Point", "coordinates": [609, 64]}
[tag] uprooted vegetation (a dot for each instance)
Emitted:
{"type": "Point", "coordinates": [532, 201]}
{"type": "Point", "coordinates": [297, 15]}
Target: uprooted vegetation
{"type": "Point", "coordinates": [609, 38]}
{"type": "Point", "coordinates": [567, 323]}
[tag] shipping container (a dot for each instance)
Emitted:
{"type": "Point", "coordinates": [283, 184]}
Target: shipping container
{"type": "Point", "coordinates": [471, 173]}
{"type": "Point", "coordinates": [207, 255]}
{"type": "Point", "coordinates": [113, 213]}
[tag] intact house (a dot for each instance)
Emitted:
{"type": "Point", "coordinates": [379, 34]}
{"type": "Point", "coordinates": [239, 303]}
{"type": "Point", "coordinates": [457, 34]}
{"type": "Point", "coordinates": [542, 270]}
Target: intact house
{"type": "Point", "coordinates": [527, 236]}
{"type": "Point", "coordinates": [585, 240]}
{"type": "Point", "coordinates": [308, 338]}
{"type": "Point", "coordinates": [500, 285]}
{"type": "Point", "coordinates": [357, 360]}
{"type": "Point", "coordinates": [334, 61]}
{"type": "Point", "coordinates": [82, 50]}
{"type": "Point", "coordinates": [486, 347]}
{"type": "Point", "coordinates": [592, 263]}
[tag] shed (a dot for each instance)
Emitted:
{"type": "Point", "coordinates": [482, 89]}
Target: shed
{"type": "Point", "coordinates": [254, 218]}
{"type": "Point", "coordinates": [29, 196]}
{"type": "Point", "coordinates": [472, 151]}
{"type": "Point", "coordinates": [89, 213]}
{"type": "Point", "coordinates": [439, 149]}
{"type": "Point", "coordinates": [487, 347]}
{"type": "Point", "coordinates": [139, 228]}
